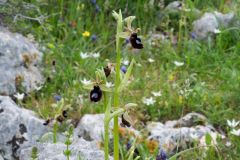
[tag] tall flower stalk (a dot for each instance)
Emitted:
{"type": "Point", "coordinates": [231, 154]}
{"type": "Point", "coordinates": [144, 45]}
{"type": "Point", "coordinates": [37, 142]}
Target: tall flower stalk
{"type": "Point", "coordinates": [117, 83]}
{"type": "Point", "coordinates": [99, 87]}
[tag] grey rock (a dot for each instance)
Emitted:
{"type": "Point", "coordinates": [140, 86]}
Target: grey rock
{"type": "Point", "coordinates": [20, 128]}
{"type": "Point", "coordinates": [188, 120]}
{"type": "Point", "coordinates": [19, 62]}
{"type": "Point", "coordinates": [1, 158]}
{"type": "Point", "coordinates": [91, 127]}
{"type": "Point", "coordinates": [2, 2]}
{"type": "Point", "coordinates": [173, 6]}
{"type": "Point", "coordinates": [224, 19]}
{"type": "Point", "coordinates": [180, 133]}
{"type": "Point", "coordinates": [210, 22]}
{"type": "Point", "coordinates": [48, 151]}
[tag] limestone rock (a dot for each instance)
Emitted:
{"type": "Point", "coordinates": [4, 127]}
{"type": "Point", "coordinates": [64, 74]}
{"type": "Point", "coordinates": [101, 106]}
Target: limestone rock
{"type": "Point", "coordinates": [91, 127]}
{"type": "Point", "coordinates": [180, 133]}
{"type": "Point", "coordinates": [210, 22]}
{"type": "Point", "coordinates": [19, 63]}
{"type": "Point", "coordinates": [2, 2]}
{"type": "Point", "coordinates": [19, 128]}
{"type": "Point", "coordinates": [79, 148]}
{"type": "Point", "coordinates": [176, 5]}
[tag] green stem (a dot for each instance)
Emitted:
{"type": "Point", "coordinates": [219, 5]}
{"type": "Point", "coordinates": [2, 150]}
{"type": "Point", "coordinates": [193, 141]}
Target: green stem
{"type": "Point", "coordinates": [55, 128]}
{"type": "Point", "coordinates": [106, 128]}
{"type": "Point", "coordinates": [174, 157]}
{"type": "Point", "coordinates": [68, 156]}
{"type": "Point", "coordinates": [116, 93]}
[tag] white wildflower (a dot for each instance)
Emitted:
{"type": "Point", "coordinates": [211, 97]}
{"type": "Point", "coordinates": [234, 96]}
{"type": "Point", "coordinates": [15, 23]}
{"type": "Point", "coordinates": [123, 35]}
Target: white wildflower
{"type": "Point", "coordinates": [19, 96]}
{"type": "Point", "coordinates": [86, 82]}
{"type": "Point", "coordinates": [95, 55]}
{"type": "Point", "coordinates": [84, 55]}
{"type": "Point", "coordinates": [228, 144]}
{"type": "Point", "coordinates": [125, 62]}
{"type": "Point", "coordinates": [139, 65]}
{"type": "Point", "coordinates": [194, 136]}
{"type": "Point", "coordinates": [216, 31]}
{"type": "Point", "coordinates": [156, 94]}
{"type": "Point", "coordinates": [150, 60]}
{"type": "Point", "coordinates": [235, 132]}
{"type": "Point", "coordinates": [232, 123]}
{"type": "Point", "coordinates": [148, 101]}
{"type": "Point", "coordinates": [178, 64]}
{"type": "Point", "coordinates": [38, 88]}
{"type": "Point", "coordinates": [109, 84]}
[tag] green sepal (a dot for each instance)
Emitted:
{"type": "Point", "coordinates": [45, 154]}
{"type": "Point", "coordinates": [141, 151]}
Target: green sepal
{"type": "Point", "coordinates": [126, 77]}
{"type": "Point", "coordinates": [124, 35]}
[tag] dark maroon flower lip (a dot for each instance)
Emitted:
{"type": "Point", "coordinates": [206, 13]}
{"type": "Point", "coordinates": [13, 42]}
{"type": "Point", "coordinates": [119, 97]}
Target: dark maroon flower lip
{"type": "Point", "coordinates": [107, 71]}
{"type": "Point", "coordinates": [135, 41]}
{"type": "Point", "coordinates": [46, 122]}
{"type": "Point", "coordinates": [96, 94]}
{"type": "Point", "coordinates": [125, 122]}
{"type": "Point", "coordinates": [65, 113]}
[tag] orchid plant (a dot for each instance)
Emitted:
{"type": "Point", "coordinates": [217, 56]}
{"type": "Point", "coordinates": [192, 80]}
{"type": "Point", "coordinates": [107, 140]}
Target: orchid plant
{"type": "Point", "coordinates": [100, 89]}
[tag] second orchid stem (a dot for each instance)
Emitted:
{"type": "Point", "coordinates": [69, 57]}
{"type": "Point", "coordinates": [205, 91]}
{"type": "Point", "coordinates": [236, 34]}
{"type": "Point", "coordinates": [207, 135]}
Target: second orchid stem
{"type": "Point", "coordinates": [116, 93]}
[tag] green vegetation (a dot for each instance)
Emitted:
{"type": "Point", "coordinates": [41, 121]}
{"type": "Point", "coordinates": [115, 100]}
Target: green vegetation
{"type": "Point", "coordinates": [208, 82]}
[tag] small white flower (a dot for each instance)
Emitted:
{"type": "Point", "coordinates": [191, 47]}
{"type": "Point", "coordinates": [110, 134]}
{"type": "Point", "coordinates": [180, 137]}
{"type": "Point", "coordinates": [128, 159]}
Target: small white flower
{"type": "Point", "coordinates": [148, 101]}
{"type": "Point", "coordinates": [109, 84]}
{"type": "Point", "coordinates": [178, 64]}
{"type": "Point", "coordinates": [194, 136]}
{"type": "Point", "coordinates": [38, 88]}
{"type": "Point", "coordinates": [216, 31]}
{"type": "Point", "coordinates": [232, 123]}
{"type": "Point", "coordinates": [86, 82]}
{"type": "Point", "coordinates": [228, 144]}
{"type": "Point", "coordinates": [139, 65]}
{"type": "Point", "coordinates": [125, 62]}
{"type": "Point", "coordinates": [96, 55]}
{"type": "Point", "coordinates": [157, 94]}
{"type": "Point", "coordinates": [150, 60]}
{"type": "Point", "coordinates": [84, 55]}
{"type": "Point", "coordinates": [235, 132]}
{"type": "Point", "coordinates": [19, 96]}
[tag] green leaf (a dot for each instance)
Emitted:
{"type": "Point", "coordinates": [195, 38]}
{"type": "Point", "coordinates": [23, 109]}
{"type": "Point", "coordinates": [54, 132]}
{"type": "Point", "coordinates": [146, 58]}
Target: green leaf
{"type": "Point", "coordinates": [47, 137]}
{"type": "Point", "coordinates": [129, 105]}
{"type": "Point", "coordinates": [115, 15]}
{"type": "Point", "coordinates": [105, 88]}
{"type": "Point", "coordinates": [107, 112]}
{"type": "Point", "coordinates": [88, 86]}
{"type": "Point", "coordinates": [124, 35]}
{"type": "Point", "coordinates": [208, 139]}
{"type": "Point", "coordinates": [138, 157]}
{"type": "Point", "coordinates": [131, 150]}
{"type": "Point", "coordinates": [100, 75]}
{"type": "Point", "coordinates": [129, 20]}
{"type": "Point", "coordinates": [67, 152]}
{"type": "Point", "coordinates": [126, 77]}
